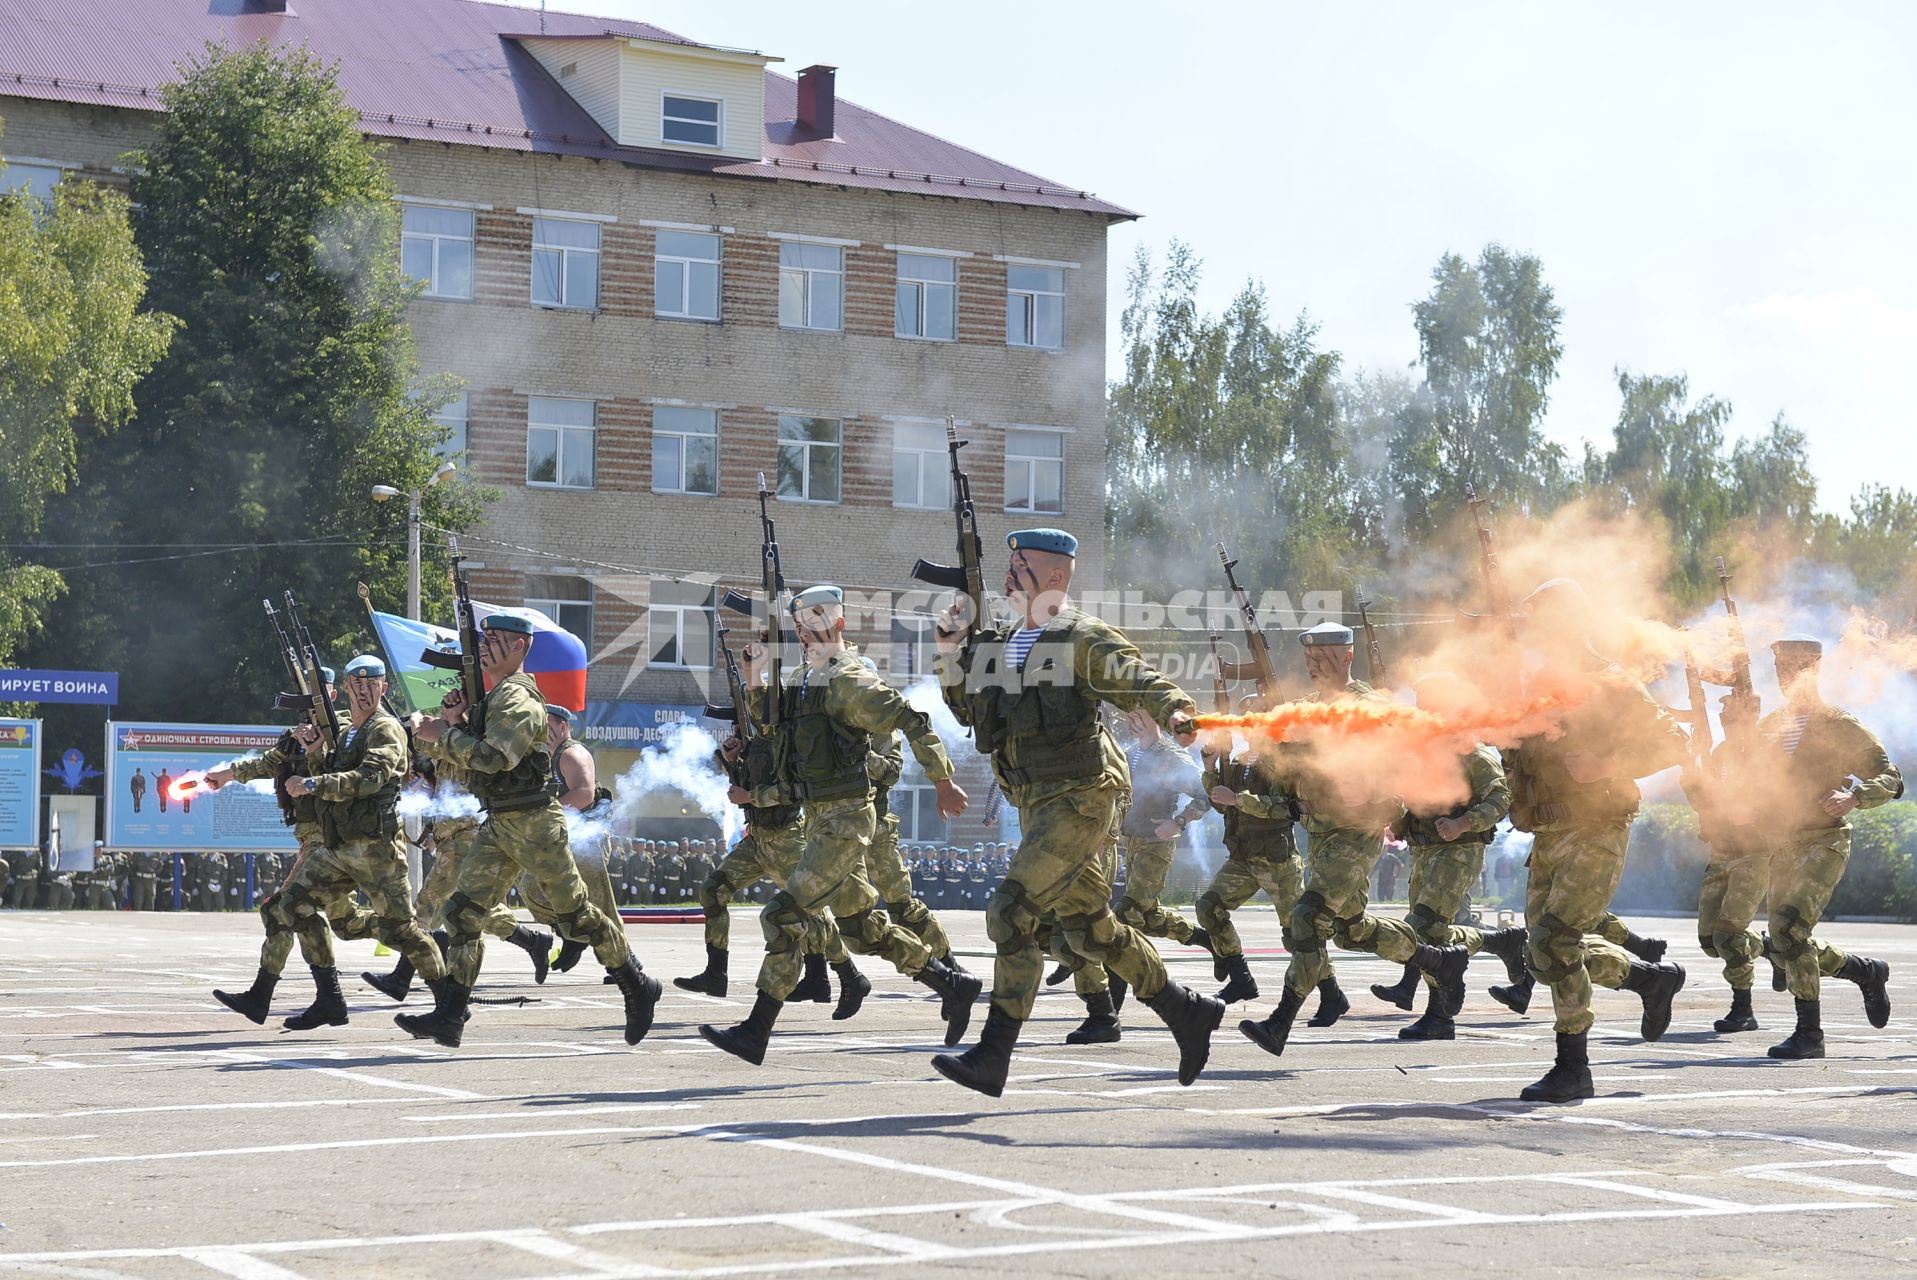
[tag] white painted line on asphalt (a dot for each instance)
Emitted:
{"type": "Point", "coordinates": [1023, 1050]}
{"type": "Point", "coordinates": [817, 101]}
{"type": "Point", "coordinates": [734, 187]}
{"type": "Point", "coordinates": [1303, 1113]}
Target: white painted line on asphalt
{"type": "Point", "coordinates": [555, 1110]}
{"type": "Point", "coordinates": [82, 1113]}
{"type": "Point", "coordinates": [851, 1233]}
{"type": "Point", "coordinates": [545, 1246]}
{"type": "Point", "coordinates": [242, 1265]}
{"type": "Point", "coordinates": [358, 1077]}
{"type": "Point", "coordinates": [1633, 1189]}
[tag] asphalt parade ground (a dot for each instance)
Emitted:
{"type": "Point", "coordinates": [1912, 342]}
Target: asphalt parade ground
{"type": "Point", "coordinates": [147, 1132]}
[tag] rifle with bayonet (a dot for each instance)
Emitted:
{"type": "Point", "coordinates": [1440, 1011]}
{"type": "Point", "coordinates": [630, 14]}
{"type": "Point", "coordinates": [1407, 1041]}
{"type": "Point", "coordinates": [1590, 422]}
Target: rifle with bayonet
{"type": "Point", "coordinates": [310, 677]}
{"type": "Point", "coordinates": [737, 709]}
{"type": "Point", "coordinates": [299, 699]}
{"type": "Point", "coordinates": [968, 575]}
{"type": "Point", "coordinates": [1261, 669]}
{"type": "Point", "coordinates": [772, 583]}
{"type": "Point", "coordinates": [472, 682]}
{"type": "Point", "coordinates": [1742, 706]}
{"type": "Point", "coordinates": [1374, 656]}
{"type": "Point", "coordinates": [1497, 594]}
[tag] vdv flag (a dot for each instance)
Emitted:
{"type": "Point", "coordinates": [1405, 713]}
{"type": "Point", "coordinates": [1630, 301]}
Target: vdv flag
{"type": "Point", "coordinates": [557, 662]}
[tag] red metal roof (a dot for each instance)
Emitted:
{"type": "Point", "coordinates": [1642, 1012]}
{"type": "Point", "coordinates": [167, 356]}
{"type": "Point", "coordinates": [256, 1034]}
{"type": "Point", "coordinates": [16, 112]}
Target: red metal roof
{"type": "Point", "coordinates": [452, 71]}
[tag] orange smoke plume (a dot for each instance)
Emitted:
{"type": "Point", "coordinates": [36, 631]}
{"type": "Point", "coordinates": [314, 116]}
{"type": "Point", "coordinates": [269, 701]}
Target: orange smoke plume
{"type": "Point", "coordinates": [186, 786]}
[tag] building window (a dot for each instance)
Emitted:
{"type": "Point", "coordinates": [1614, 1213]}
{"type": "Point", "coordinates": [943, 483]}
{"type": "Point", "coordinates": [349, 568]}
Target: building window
{"type": "Point", "coordinates": [436, 248]}
{"type": "Point", "coordinates": [914, 645]}
{"type": "Point", "coordinates": [809, 451]}
{"type": "Point", "coordinates": [1035, 307]}
{"type": "Point", "coordinates": [685, 450]}
{"type": "Point", "coordinates": [680, 624]}
{"type": "Point", "coordinates": [35, 181]}
{"type": "Point", "coordinates": [927, 297]}
{"type": "Point", "coordinates": [559, 442]}
{"type": "Point", "coordinates": [921, 467]}
{"type": "Point", "coordinates": [453, 418]}
{"type": "Point", "coordinates": [1035, 471]}
{"type": "Point", "coordinates": [567, 601]}
{"type": "Point", "coordinates": [917, 806]}
{"type": "Point", "coordinates": [565, 266]}
{"type": "Point", "coordinates": [811, 283]}
{"type": "Point", "coordinates": [685, 276]}
{"type": "Point", "coordinates": [693, 122]}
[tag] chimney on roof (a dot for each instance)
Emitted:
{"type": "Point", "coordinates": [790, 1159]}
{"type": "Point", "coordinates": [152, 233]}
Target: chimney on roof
{"type": "Point", "coordinates": [816, 100]}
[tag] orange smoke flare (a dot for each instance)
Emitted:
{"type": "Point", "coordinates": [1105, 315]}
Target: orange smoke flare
{"type": "Point", "coordinates": [1498, 725]}
{"type": "Point", "coordinates": [186, 786]}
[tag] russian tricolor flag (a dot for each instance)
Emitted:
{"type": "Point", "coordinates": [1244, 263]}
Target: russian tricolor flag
{"type": "Point", "coordinates": [557, 662]}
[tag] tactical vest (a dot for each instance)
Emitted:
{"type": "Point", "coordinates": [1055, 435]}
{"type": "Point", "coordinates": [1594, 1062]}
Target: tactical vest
{"type": "Point", "coordinates": [293, 809]}
{"type": "Point", "coordinates": [1250, 838]}
{"type": "Point", "coordinates": [826, 759]}
{"type": "Point", "coordinates": [1038, 716]}
{"type": "Point", "coordinates": [759, 767]}
{"type": "Point", "coordinates": [374, 817]}
{"type": "Point", "coordinates": [885, 768]}
{"type": "Point", "coordinates": [527, 785]}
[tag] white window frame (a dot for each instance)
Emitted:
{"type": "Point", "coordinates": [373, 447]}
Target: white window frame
{"type": "Point", "coordinates": [456, 413]}
{"type": "Point", "coordinates": [1027, 300]}
{"type": "Point", "coordinates": [436, 239]}
{"type": "Point", "coordinates": [937, 459]}
{"type": "Point", "coordinates": [555, 607]}
{"type": "Point", "coordinates": [559, 451]}
{"type": "Point", "coordinates": [11, 174]}
{"type": "Point", "coordinates": [682, 437]}
{"type": "Point", "coordinates": [565, 252]}
{"type": "Point", "coordinates": [805, 461]}
{"type": "Point", "coordinates": [719, 138]}
{"type": "Point", "coordinates": [924, 800]}
{"type": "Point", "coordinates": [805, 276]}
{"type": "Point", "coordinates": [677, 613]}
{"type": "Point", "coordinates": [1030, 461]}
{"type": "Point", "coordinates": [717, 262]}
{"type": "Point", "coordinates": [923, 288]}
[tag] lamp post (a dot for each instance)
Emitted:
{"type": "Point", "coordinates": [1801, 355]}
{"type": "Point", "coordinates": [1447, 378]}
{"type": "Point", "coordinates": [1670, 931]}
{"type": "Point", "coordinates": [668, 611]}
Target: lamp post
{"type": "Point", "coordinates": [384, 492]}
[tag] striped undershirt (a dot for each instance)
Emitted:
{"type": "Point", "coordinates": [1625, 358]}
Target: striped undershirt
{"type": "Point", "coordinates": [1794, 734]}
{"type": "Point", "coordinates": [1019, 647]}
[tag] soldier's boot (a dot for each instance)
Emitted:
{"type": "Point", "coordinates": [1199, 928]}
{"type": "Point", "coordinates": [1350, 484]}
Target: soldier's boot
{"type": "Point", "coordinates": [329, 1004]}
{"type": "Point", "coordinates": [256, 1001]}
{"type": "Point", "coordinates": [710, 982]}
{"type": "Point", "coordinates": [1056, 976]}
{"type": "Point", "coordinates": [1569, 1077]}
{"type": "Point", "coordinates": [1446, 966]}
{"type": "Point", "coordinates": [446, 1024]}
{"type": "Point", "coordinates": [1872, 978]}
{"type": "Point", "coordinates": [395, 986]}
{"type": "Point", "coordinates": [1201, 937]}
{"type": "Point", "coordinates": [1740, 1018]}
{"type": "Point", "coordinates": [984, 1066]}
{"type": "Point", "coordinates": [536, 943]}
{"type": "Point", "coordinates": [1402, 992]}
{"type": "Point", "coordinates": [1807, 1040]}
{"type": "Point", "coordinates": [1434, 1023]}
{"type": "Point", "coordinates": [815, 987]}
{"type": "Point", "coordinates": [1101, 1022]}
{"type": "Point", "coordinates": [1779, 980]}
{"type": "Point", "coordinates": [1332, 1004]}
{"type": "Point", "coordinates": [1508, 946]}
{"type": "Point", "coordinates": [1119, 987]}
{"type": "Point", "coordinates": [641, 993]}
{"type": "Point", "coordinates": [951, 961]}
{"type": "Point", "coordinates": [570, 952]}
{"type": "Point", "coordinates": [1517, 996]}
{"type": "Point", "coordinates": [1192, 1017]}
{"type": "Point", "coordinates": [1242, 985]}
{"type": "Point", "coordinates": [854, 987]}
{"type": "Point", "coordinates": [747, 1041]}
{"type": "Point", "coordinates": [957, 993]}
{"type": "Point", "coordinates": [1649, 950]}
{"type": "Point", "coordinates": [1271, 1034]}
{"type": "Point", "coordinates": [1657, 984]}
{"type": "Point", "coordinates": [1220, 966]}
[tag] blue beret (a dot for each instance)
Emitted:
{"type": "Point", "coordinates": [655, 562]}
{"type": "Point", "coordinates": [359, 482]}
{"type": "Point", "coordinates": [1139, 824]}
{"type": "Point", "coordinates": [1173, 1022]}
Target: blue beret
{"type": "Point", "coordinates": [564, 713]}
{"type": "Point", "coordinates": [869, 664]}
{"type": "Point", "coordinates": [1798, 647]}
{"type": "Point", "coordinates": [327, 672]}
{"type": "Point", "coordinates": [1056, 541]}
{"type": "Point", "coordinates": [507, 622]}
{"type": "Point", "coordinates": [367, 665]}
{"type": "Point", "coordinates": [813, 597]}
{"type": "Point", "coordinates": [1326, 633]}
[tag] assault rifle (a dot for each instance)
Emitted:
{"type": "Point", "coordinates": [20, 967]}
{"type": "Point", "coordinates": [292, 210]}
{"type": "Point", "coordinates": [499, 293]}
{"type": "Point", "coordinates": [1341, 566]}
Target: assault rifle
{"type": "Point", "coordinates": [1374, 656]}
{"type": "Point", "coordinates": [968, 575]}
{"type": "Point", "coordinates": [300, 700]}
{"type": "Point", "coordinates": [1742, 704]}
{"type": "Point", "coordinates": [1261, 668]}
{"type": "Point", "coordinates": [1220, 695]}
{"type": "Point", "coordinates": [1698, 714]}
{"type": "Point", "coordinates": [472, 682]}
{"type": "Point", "coordinates": [772, 582]}
{"type": "Point", "coordinates": [308, 675]}
{"type": "Point", "coordinates": [1497, 595]}
{"type": "Point", "coordinates": [738, 708]}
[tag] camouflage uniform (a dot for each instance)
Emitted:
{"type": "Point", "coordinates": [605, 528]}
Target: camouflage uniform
{"type": "Point", "coordinates": [1443, 872]}
{"type": "Point", "coordinates": [1737, 873]}
{"type": "Point", "coordinates": [1261, 852]}
{"type": "Point", "coordinates": [1161, 773]}
{"type": "Point", "coordinates": [885, 865]}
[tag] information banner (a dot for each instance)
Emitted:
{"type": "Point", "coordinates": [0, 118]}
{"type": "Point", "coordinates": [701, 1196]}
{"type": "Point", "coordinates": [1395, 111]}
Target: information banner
{"type": "Point", "coordinates": [636, 725]}
{"type": "Point", "coordinates": [148, 812]}
{"type": "Point", "coordinates": [99, 687]}
{"type": "Point", "coordinates": [19, 784]}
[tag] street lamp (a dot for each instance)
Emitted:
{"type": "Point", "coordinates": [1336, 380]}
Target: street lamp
{"type": "Point", "coordinates": [385, 492]}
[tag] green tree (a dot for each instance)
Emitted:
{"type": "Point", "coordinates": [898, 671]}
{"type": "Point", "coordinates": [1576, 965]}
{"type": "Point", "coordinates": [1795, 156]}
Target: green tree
{"type": "Point", "coordinates": [1667, 461]}
{"type": "Point", "coordinates": [74, 342]}
{"type": "Point", "coordinates": [269, 226]}
{"type": "Point", "coordinates": [1773, 493]}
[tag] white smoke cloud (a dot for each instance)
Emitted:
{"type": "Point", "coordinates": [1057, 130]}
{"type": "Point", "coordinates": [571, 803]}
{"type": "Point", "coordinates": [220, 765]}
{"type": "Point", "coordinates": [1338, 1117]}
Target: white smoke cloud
{"type": "Point", "coordinates": [681, 763]}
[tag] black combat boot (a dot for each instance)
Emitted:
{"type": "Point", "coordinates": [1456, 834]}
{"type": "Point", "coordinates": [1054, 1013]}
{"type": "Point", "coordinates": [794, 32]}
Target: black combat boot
{"type": "Point", "coordinates": [1807, 1041]}
{"type": "Point", "coordinates": [748, 1040]}
{"type": "Point", "coordinates": [1517, 996]}
{"type": "Point", "coordinates": [983, 1067]}
{"type": "Point", "coordinates": [1740, 1018]}
{"type": "Point", "coordinates": [1434, 1023]}
{"type": "Point", "coordinates": [1192, 1017]}
{"type": "Point", "coordinates": [641, 992]}
{"type": "Point", "coordinates": [1649, 950]}
{"type": "Point", "coordinates": [854, 987]}
{"type": "Point", "coordinates": [1780, 981]}
{"type": "Point", "coordinates": [1657, 984]}
{"type": "Point", "coordinates": [1871, 977]}
{"type": "Point", "coordinates": [1101, 1022]}
{"type": "Point", "coordinates": [1242, 985]}
{"type": "Point", "coordinates": [1056, 976]}
{"type": "Point", "coordinates": [329, 1005]}
{"type": "Point", "coordinates": [957, 993]}
{"type": "Point", "coordinates": [1569, 1077]}
{"type": "Point", "coordinates": [1446, 966]}
{"type": "Point", "coordinates": [1332, 1004]}
{"type": "Point", "coordinates": [1201, 937]}
{"type": "Point", "coordinates": [536, 943]}
{"type": "Point", "coordinates": [1402, 992]}
{"type": "Point", "coordinates": [571, 950]}
{"type": "Point", "coordinates": [814, 987]}
{"type": "Point", "coordinates": [1508, 946]}
{"type": "Point", "coordinates": [446, 1024]}
{"type": "Point", "coordinates": [1118, 988]}
{"type": "Point", "coordinates": [951, 961]}
{"type": "Point", "coordinates": [712, 982]}
{"type": "Point", "coordinates": [1271, 1034]}
{"type": "Point", "coordinates": [396, 985]}
{"type": "Point", "coordinates": [256, 1001]}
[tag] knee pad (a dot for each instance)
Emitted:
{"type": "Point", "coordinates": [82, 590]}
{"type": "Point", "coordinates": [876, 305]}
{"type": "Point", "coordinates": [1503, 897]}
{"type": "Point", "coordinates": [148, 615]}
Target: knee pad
{"type": "Point", "coordinates": [855, 925]}
{"type": "Point", "coordinates": [1708, 942]}
{"type": "Point", "coordinates": [1425, 921]}
{"type": "Point", "coordinates": [393, 930]}
{"type": "Point", "coordinates": [1210, 910]}
{"type": "Point", "coordinates": [783, 912]}
{"type": "Point", "coordinates": [716, 892]}
{"type": "Point", "coordinates": [1352, 932]}
{"type": "Point", "coordinates": [464, 918]}
{"type": "Point", "coordinates": [1010, 915]}
{"type": "Point", "coordinates": [1791, 938]}
{"type": "Point", "coordinates": [300, 905]}
{"type": "Point", "coordinates": [1093, 936]}
{"type": "Point", "coordinates": [576, 923]}
{"type": "Point", "coordinates": [1737, 947]}
{"type": "Point", "coordinates": [1556, 950]}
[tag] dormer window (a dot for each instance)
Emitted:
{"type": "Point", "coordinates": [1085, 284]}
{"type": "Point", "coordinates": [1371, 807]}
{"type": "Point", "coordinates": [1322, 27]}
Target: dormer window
{"type": "Point", "coordinates": [692, 122]}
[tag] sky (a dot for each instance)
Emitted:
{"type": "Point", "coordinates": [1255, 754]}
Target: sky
{"type": "Point", "coordinates": [1720, 190]}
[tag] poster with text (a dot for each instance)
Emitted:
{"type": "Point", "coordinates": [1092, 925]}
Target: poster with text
{"type": "Point", "coordinates": [155, 802]}
{"type": "Point", "coordinates": [19, 784]}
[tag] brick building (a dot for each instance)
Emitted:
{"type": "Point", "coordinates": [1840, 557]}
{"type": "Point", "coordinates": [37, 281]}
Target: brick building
{"type": "Point", "coordinates": [660, 269]}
